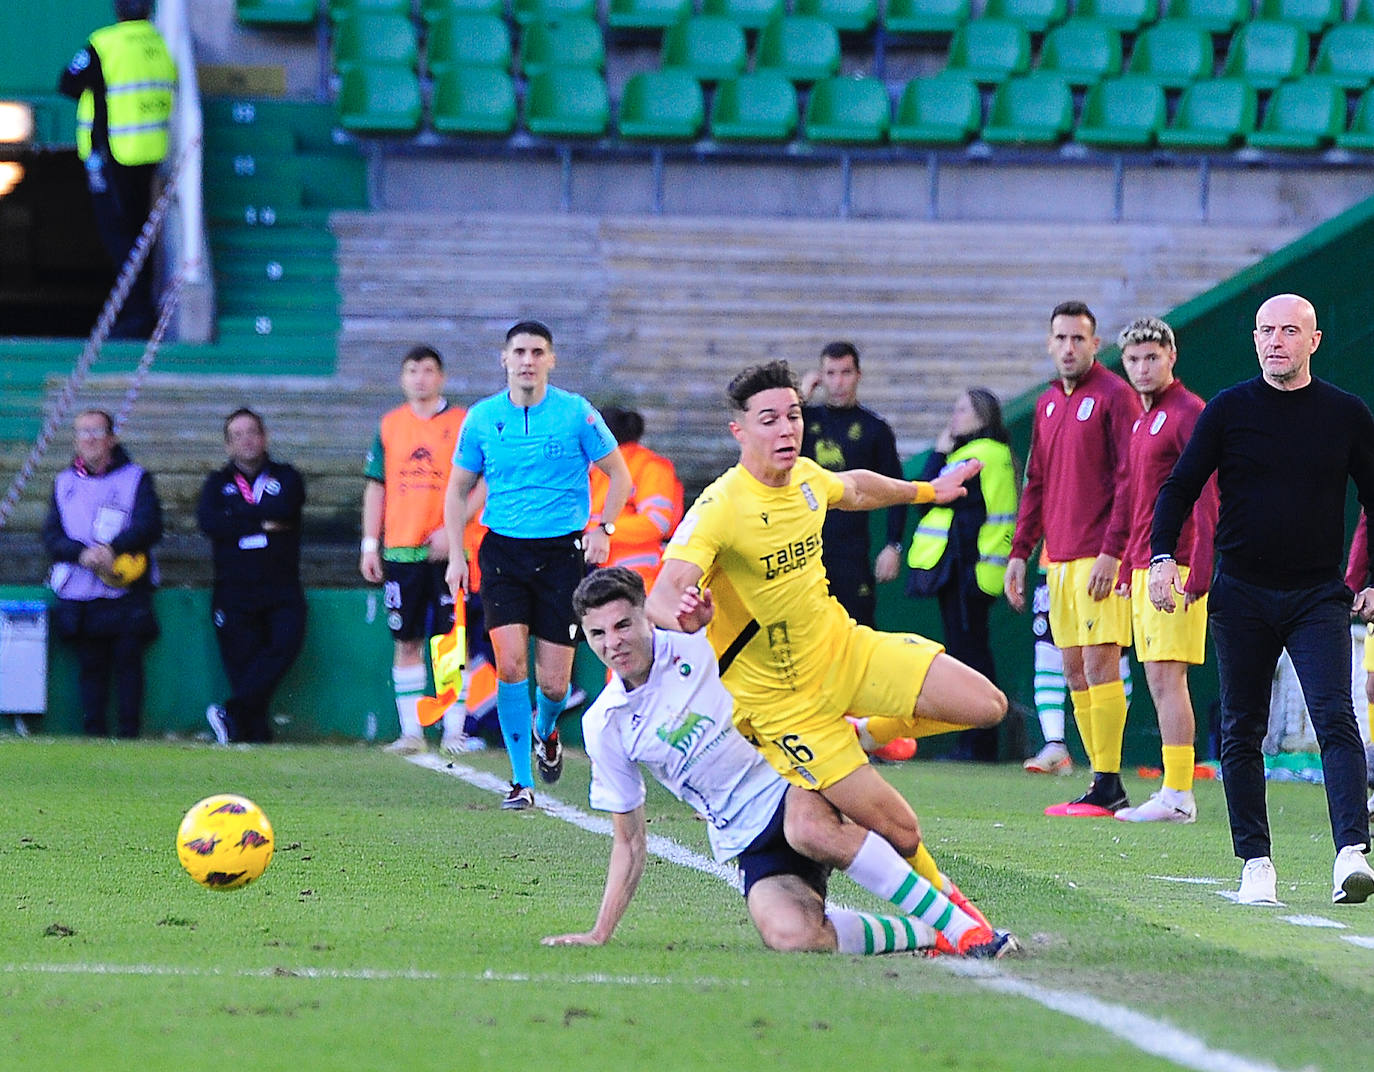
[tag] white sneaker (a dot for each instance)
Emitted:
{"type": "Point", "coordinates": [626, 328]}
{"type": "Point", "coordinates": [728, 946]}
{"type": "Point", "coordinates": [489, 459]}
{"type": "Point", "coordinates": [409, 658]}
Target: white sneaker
{"type": "Point", "coordinates": [1166, 806]}
{"type": "Point", "coordinates": [406, 745]}
{"type": "Point", "coordinates": [1052, 759]}
{"type": "Point", "coordinates": [460, 744]}
{"type": "Point", "coordinates": [215, 715]}
{"type": "Point", "coordinates": [1352, 880]}
{"type": "Point", "coordinates": [1258, 882]}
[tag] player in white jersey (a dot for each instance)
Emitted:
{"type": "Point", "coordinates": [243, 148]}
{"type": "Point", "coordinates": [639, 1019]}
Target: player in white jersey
{"type": "Point", "coordinates": [666, 709]}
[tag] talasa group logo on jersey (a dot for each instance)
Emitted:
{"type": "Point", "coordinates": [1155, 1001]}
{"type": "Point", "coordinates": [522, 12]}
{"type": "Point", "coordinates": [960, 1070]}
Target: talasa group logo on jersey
{"type": "Point", "coordinates": [686, 733]}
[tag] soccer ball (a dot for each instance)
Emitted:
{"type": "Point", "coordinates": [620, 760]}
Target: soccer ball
{"type": "Point", "coordinates": [225, 842]}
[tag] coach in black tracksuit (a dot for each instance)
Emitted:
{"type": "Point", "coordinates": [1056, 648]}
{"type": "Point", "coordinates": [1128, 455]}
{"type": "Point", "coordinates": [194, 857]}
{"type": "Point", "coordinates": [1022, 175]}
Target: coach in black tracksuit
{"type": "Point", "coordinates": [251, 510]}
{"type": "Point", "coordinates": [1283, 447]}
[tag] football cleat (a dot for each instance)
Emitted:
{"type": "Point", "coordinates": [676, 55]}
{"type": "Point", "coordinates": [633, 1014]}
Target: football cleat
{"type": "Point", "coordinates": [1052, 759]}
{"type": "Point", "coordinates": [959, 900]}
{"type": "Point", "coordinates": [407, 745]}
{"type": "Point", "coordinates": [897, 750]}
{"type": "Point", "coordinates": [1103, 799]}
{"type": "Point", "coordinates": [1352, 881]}
{"type": "Point", "coordinates": [520, 798]}
{"type": "Point", "coordinates": [548, 755]}
{"type": "Point", "coordinates": [1166, 806]}
{"type": "Point", "coordinates": [979, 943]}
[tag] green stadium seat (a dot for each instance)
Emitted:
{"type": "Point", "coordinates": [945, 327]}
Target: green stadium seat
{"type": "Point", "coordinates": [1267, 53]}
{"type": "Point", "coordinates": [754, 107]}
{"type": "Point", "coordinates": [802, 48]}
{"type": "Point", "coordinates": [1360, 136]}
{"type": "Point", "coordinates": [1127, 16]}
{"type": "Point", "coordinates": [375, 39]}
{"type": "Point", "coordinates": [663, 106]}
{"type": "Point", "coordinates": [460, 40]}
{"type": "Point", "coordinates": [926, 16]}
{"type": "Point", "coordinates": [1082, 51]}
{"type": "Point", "coordinates": [474, 100]}
{"type": "Point", "coordinates": [567, 102]}
{"type": "Point", "coordinates": [530, 11]}
{"type": "Point", "coordinates": [1215, 16]}
{"type": "Point", "coordinates": [1122, 112]}
{"type": "Point", "coordinates": [750, 14]}
{"type": "Point", "coordinates": [1036, 16]}
{"type": "Point", "coordinates": [1303, 115]}
{"type": "Point", "coordinates": [647, 14]}
{"type": "Point", "coordinates": [847, 16]}
{"type": "Point", "coordinates": [277, 12]}
{"type": "Point", "coordinates": [1214, 114]}
{"type": "Point", "coordinates": [989, 50]}
{"type": "Point", "coordinates": [434, 10]}
{"type": "Point", "coordinates": [1033, 109]}
{"type": "Point", "coordinates": [257, 141]}
{"type": "Point", "coordinates": [339, 10]}
{"type": "Point", "coordinates": [711, 47]}
{"type": "Point", "coordinates": [943, 109]}
{"type": "Point", "coordinates": [849, 111]}
{"type": "Point", "coordinates": [569, 42]}
{"type": "Point", "coordinates": [1172, 52]}
{"type": "Point", "coordinates": [1314, 16]}
{"type": "Point", "coordinates": [379, 99]}
{"type": "Point", "coordinates": [1346, 55]}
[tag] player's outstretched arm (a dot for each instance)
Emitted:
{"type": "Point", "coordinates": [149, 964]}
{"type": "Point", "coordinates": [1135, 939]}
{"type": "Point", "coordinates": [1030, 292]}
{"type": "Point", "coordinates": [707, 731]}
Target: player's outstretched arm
{"type": "Point", "coordinates": [676, 602]}
{"type": "Point", "coordinates": [867, 490]}
{"type": "Point", "coordinates": [629, 850]}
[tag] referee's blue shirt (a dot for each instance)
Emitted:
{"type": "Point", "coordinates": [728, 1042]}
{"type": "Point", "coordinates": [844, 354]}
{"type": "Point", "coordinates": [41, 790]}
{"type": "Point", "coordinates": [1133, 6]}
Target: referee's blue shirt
{"type": "Point", "coordinates": [534, 460]}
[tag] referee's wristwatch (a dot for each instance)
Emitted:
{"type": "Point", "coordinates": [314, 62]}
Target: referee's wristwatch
{"type": "Point", "coordinates": [608, 527]}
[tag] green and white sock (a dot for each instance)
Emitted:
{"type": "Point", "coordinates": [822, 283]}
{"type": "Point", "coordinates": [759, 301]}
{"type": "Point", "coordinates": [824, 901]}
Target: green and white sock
{"type": "Point", "coordinates": [867, 934]}
{"type": "Point", "coordinates": [409, 685]}
{"type": "Point", "coordinates": [878, 868]}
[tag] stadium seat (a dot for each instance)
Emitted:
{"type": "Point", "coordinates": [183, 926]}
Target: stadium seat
{"type": "Point", "coordinates": [434, 10]}
{"type": "Point", "coordinates": [1304, 115]}
{"type": "Point", "coordinates": [711, 47]}
{"type": "Point", "coordinates": [277, 12]}
{"type": "Point", "coordinates": [926, 16]}
{"type": "Point", "coordinates": [750, 14]}
{"type": "Point", "coordinates": [346, 9]}
{"type": "Point", "coordinates": [754, 107]}
{"type": "Point", "coordinates": [1173, 53]}
{"type": "Point", "coordinates": [1122, 112]}
{"type": "Point", "coordinates": [1036, 16]}
{"type": "Point", "coordinates": [567, 102]}
{"type": "Point", "coordinates": [1360, 136]}
{"type": "Point", "coordinates": [1082, 51]}
{"type": "Point", "coordinates": [662, 105]}
{"type": "Point", "coordinates": [1033, 109]}
{"type": "Point", "coordinates": [646, 14]}
{"type": "Point", "coordinates": [1214, 114]}
{"type": "Point", "coordinates": [847, 16]}
{"type": "Point", "coordinates": [526, 12]}
{"type": "Point", "coordinates": [474, 100]}
{"type": "Point", "coordinates": [1267, 53]}
{"type": "Point", "coordinates": [1346, 55]}
{"type": "Point", "coordinates": [989, 50]}
{"type": "Point", "coordinates": [462, 40]}
{"type": "Point", "coordinates": [943, 109]}
{"type": "Point", "coordinates": [375, 39]}
{"type": "Point", "coordinates": [1314, 16]}
{"type": "Point", "coordinates": [570, 42]}
{"type": "Point", "coordinates": [799, 47]}
{"type": "Point", "coordinates": [1126, 16]}
{"type": "Point", "coordinates": [1214, 16]}
{"type": "Point", "coordinates": [379, 99]}
{"type": "Point", "coordinates": [851, 111]}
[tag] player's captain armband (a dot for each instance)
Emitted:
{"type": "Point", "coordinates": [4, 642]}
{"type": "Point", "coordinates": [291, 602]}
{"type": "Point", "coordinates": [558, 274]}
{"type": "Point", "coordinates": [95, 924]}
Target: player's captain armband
{"type": "Point", "coordinates": [925, 492]}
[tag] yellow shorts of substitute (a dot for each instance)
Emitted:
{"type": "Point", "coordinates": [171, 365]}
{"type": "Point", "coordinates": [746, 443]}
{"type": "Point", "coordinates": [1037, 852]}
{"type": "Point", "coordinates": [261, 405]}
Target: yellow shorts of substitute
{"type": "Point", "coordinates": [1369, 648]}
{"type": "Point", "coordinates": [1180, 637]}
{"type": "Point", "coordinates": [805, 735]}
{"type": "Point", "coordinates": [1076, 619]}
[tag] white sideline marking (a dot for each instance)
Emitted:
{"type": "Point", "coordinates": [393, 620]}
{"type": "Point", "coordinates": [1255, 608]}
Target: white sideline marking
{"type": "Point", "coordinates": [1359, 940]}
{"type": "Point", "coordinates": [1189, 881]}
{"type": "Point", "coordinates": [1234, 897]}
{"type": "Point", "coordinates": [1313, 921]}
{"type": "Point", "coordinates": [1147, 1034]}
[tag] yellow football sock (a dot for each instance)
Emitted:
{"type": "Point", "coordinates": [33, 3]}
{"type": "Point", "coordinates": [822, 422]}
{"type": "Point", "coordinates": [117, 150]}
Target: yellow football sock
{"type": "Point", "coordinates": [1178, 767]}
{"type": "Point", "coordinates": [924, 865]}
{"type": "Point", "coordinates": [1370, 724]}
{"type": "Point", "coordinates": [1083, 718]}
{"type": "Point", "coordinates": [885, 729]}
{"type": "Point", "coordinates": [1108, 702]}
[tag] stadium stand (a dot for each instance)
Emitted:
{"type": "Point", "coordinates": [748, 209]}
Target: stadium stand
{"type": "Point", "coordinates": [759, 107]}
{"type": "Point", "coordinates": [1122, 112]}
{"type": "Point", "coordinates": [852, 111]}
{"type": "Point", "coordinates": [660, 105]}
{"type": "Point", "coordinates": [799, 47]}
{"type": "Point", "coordinates": [1346, 55]}
{"type": "Point", "coordinates": [646, 14]}
{"type": "Point", "coordinates": [568, 102]}
{"type": "Point", "coordinates": [1360, 136]}
{"type": "Point", "coordinates": [1035, 16]}
{"type": "Point", "coordinates": [460, 39]}
{"type": "Point", "coordinates": [750, 14]}
{"type": "Point", "coordinates": [1126, 16]}
{"type": "Point", "coordinates": [925, 16]}
{"type": "Point", "coordinates": [1172, 52]}
{"type": "Point", "coordinates": [710, 47]}
{"type": "Point", "coordinates": [474, 100]}
{"type": "Point", "coordinates": [431, 11]}
{"type": "Point", "coordinates": [367, 39]}
{"type": "Point", "coordinates": [340, 10]}
{"type": "Point", "coordinates": [569, 42]}
{"type": "Point", "coordinates": [1267, 53]}
{"type": "Point", "coordinates": [529, 11]}
{"type": "Point", "coordinates": [1081, 51]}
{"type": "Point", "coordinates": [1214, 16]}
{"type": "Point", "coordinates": [1305, 114]}
{"type": "Point", "coordinates": [989, 51]}
{"type": "Point", "coordinates": [847, 16]}
{"type": "Point", "coordinates": [1034, 109]}
{"type": "Point", "coordinates": [1314, 16]}
{"type": "Point", "coordinates": [1216, 114]}
{"type": "Point", "coordinates": [944, 109]}
{"type": "Point", "coordinates": [380, 99]}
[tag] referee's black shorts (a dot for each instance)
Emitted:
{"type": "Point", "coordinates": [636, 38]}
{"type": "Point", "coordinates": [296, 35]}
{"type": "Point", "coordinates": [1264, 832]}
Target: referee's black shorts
{"type": "Point", "coordinates": [530, 582]}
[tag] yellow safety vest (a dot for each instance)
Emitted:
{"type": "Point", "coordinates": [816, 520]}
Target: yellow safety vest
{"type": "Point", "coordinates": [139, 79]}
{"type": "Point", "coordinates": [998, 483]}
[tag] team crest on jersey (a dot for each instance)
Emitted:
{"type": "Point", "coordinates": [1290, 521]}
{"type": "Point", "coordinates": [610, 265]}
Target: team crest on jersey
{"type": "Point", "coordinates": [1158, 423]}
{"type": "Point", "coordinates": [856, 432]}
{"type": "Point", "coordinates": [1085, 408]}
{"type": "Point", "coordinates": [272, 487]}
{"type": "Point", "coordinates": [809, 496]}
{"type": "Point", "coordinates": [1049, 409]}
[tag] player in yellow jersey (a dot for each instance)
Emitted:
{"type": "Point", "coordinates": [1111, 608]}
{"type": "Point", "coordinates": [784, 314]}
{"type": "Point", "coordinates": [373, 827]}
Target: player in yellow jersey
{"type": "Point", "coordinates": [746, 562]}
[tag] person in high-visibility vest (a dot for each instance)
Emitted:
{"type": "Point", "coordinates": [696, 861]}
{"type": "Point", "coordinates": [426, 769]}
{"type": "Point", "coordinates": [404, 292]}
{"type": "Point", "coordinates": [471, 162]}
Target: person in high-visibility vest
{"type": "Point", "coordinates": [123, 81]}
{"type": "Point", "coordinates": [959, 553]}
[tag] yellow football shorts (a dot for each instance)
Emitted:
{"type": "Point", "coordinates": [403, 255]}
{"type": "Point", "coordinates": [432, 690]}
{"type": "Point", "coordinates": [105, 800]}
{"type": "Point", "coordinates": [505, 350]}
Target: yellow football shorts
{"type": "Point", "coordinates": [1076, 619]}
{"type": "Point", "coordinates": [805, 735]}
{"type": "Point", "coordinates": [1180, 637]}
{"type": "Point", "coordinates": [1369, 648]}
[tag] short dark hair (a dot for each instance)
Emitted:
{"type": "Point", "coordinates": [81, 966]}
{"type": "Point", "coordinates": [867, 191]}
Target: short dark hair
{"type": "Point", "coordinates": [126, 10]}
{"type": "Point", "coordinates": [837, 350]}
{"type": "Point", "coordinates": [627, 425]}
{"type": "Point", "coordinates": [422, 353]}
{"type": "Point", "coordinates": [1074, 308]}
{"type": "Point", "coordinates": [244, 411]}
{"type": "Point", "coordinates": [104, 414]}
{"type": "Point", "coordinates": [530, 327]}
{"type": "Point", "coordinates": [758, 378]}
{"type": "Point", "coordinates": [606, 585]}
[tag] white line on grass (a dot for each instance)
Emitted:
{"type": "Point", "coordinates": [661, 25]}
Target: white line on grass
{"type": "Point", "coordinates": [1313, 921]}
{"type": "Point", "coordinates": [1187, 880]}
{"type": "Point", "coordinates": [1359, 940]}
{"type": "Point", "coordinates": [1147, 1034]}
